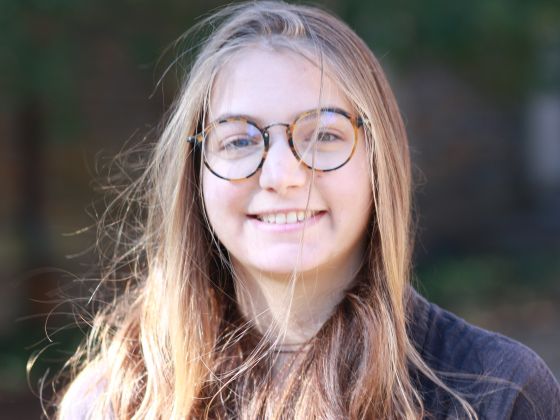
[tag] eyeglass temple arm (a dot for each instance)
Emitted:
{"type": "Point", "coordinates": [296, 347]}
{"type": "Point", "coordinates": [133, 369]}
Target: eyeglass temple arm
{"type": "Point", "coordinates": [194, 140]}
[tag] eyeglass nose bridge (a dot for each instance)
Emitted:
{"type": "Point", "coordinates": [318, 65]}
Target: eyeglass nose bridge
{"type": "Point", "coordinates": [266, 137]}
{"type": "Point", "coordinates": [266, 134]}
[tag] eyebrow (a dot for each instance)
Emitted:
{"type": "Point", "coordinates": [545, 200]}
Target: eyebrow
{"type": "Point", "coordinates": [259, 122]}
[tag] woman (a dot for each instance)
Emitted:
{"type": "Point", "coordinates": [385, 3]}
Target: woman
{"type": "Point", "coordinates": [271, 277]}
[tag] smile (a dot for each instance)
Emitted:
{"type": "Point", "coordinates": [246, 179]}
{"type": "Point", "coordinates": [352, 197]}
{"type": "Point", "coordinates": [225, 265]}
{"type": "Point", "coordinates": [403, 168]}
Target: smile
{"type": "Point", "coordinates": [285, 218]}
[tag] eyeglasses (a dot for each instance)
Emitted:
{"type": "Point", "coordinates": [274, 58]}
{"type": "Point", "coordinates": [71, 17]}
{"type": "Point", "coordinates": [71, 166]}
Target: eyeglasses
{"type": "Point", "coordinates": [235, 148]}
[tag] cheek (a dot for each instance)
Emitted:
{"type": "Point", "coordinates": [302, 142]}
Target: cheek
{"type": "Point", "coordinates": [352, 194]}
{"type": "Point", "coordinates": [211, 192]}
{"type": "Point", "coordinates": [223, 201]}
{"type": "Point", "coordinates": [361, 183]}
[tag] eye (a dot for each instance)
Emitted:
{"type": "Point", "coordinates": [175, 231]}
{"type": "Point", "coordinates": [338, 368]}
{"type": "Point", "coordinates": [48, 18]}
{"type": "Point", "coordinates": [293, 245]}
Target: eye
{"type": "Point", "coordinates": [238, 143]}
{"type": "Point", "coordinates": [323, 137]}
{"type": "Point", "coordinates": [327, 137]}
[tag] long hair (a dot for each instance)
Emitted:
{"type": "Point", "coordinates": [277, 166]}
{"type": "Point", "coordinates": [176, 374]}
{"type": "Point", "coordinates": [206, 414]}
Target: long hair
{"type": "Point", "coordinates": [171, 344]}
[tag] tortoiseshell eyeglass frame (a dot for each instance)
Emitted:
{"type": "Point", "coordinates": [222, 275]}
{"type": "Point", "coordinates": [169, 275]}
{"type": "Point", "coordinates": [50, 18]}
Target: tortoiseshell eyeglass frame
{"type": "Point", "coordinates": [198, 139]}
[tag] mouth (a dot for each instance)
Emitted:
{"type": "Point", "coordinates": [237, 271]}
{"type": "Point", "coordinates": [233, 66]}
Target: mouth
{"type": "Point", "coordinates": [286, 218]}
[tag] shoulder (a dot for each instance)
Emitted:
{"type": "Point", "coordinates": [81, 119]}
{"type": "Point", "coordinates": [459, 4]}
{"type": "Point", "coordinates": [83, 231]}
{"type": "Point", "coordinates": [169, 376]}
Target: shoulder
{"type": "Point", "coordinates": [83, 392]}
{"type": "Point", "coordinates": [505, 378]}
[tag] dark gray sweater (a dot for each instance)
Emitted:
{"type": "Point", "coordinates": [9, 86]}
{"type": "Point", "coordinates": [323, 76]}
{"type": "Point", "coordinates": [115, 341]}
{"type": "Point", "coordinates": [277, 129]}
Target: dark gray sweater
{"type": "Point", "coordinates": [517, 384]}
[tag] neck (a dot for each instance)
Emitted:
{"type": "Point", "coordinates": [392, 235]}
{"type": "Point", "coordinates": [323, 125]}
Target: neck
{"type": "Point", "coordinates": [294, 306]}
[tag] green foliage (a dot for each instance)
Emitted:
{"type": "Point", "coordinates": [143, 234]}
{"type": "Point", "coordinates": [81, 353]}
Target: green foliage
{"type": "Point", "coordinates": [17, 349]}
{"type": "Point", "coordinates": [495, 43]}
{"type": "Point", "coordinates": [481, 280]}
{"type": "Point", "coordinates": [48, 47]}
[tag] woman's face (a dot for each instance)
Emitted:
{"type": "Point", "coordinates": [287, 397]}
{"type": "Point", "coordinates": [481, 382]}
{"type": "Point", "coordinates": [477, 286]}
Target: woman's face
{"type": "Point", "coordinates": [270, 87]}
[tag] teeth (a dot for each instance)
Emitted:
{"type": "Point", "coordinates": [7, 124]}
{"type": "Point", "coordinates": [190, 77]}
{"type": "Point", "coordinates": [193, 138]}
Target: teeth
{"type": "Point", "coordinates": [286, 218]}
{"type": "Point", "coordinates": [291, 217]}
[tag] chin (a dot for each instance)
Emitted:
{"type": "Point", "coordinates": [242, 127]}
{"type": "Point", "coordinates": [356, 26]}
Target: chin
{"type": "Point", "coordinates": [286, 267]}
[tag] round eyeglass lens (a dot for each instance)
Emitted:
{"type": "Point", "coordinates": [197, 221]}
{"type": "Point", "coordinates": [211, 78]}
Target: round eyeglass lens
{"type": "Point", "coordinates": [324, 140]}
{"type": "Point", "coordinates": [233, 149]}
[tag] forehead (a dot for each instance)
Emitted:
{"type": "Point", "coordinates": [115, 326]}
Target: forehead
{"type": "Point", "coordinates": [272, 85]}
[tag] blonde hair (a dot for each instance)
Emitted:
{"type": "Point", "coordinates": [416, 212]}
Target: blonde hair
{"type": "Point", "coordinates": [171, 343]}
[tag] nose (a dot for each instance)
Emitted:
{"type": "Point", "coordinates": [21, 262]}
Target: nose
{"type": "Point", "coordinates": [281, 170]}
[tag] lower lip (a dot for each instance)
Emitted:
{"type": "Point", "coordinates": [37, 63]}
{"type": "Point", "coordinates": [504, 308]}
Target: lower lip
{"type": "Point", "coordinates": [287, 227]}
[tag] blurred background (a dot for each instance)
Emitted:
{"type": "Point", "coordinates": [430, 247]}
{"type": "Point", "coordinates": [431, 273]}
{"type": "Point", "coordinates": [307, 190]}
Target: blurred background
{"type": "Point", "coordinates": [479, 87]}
